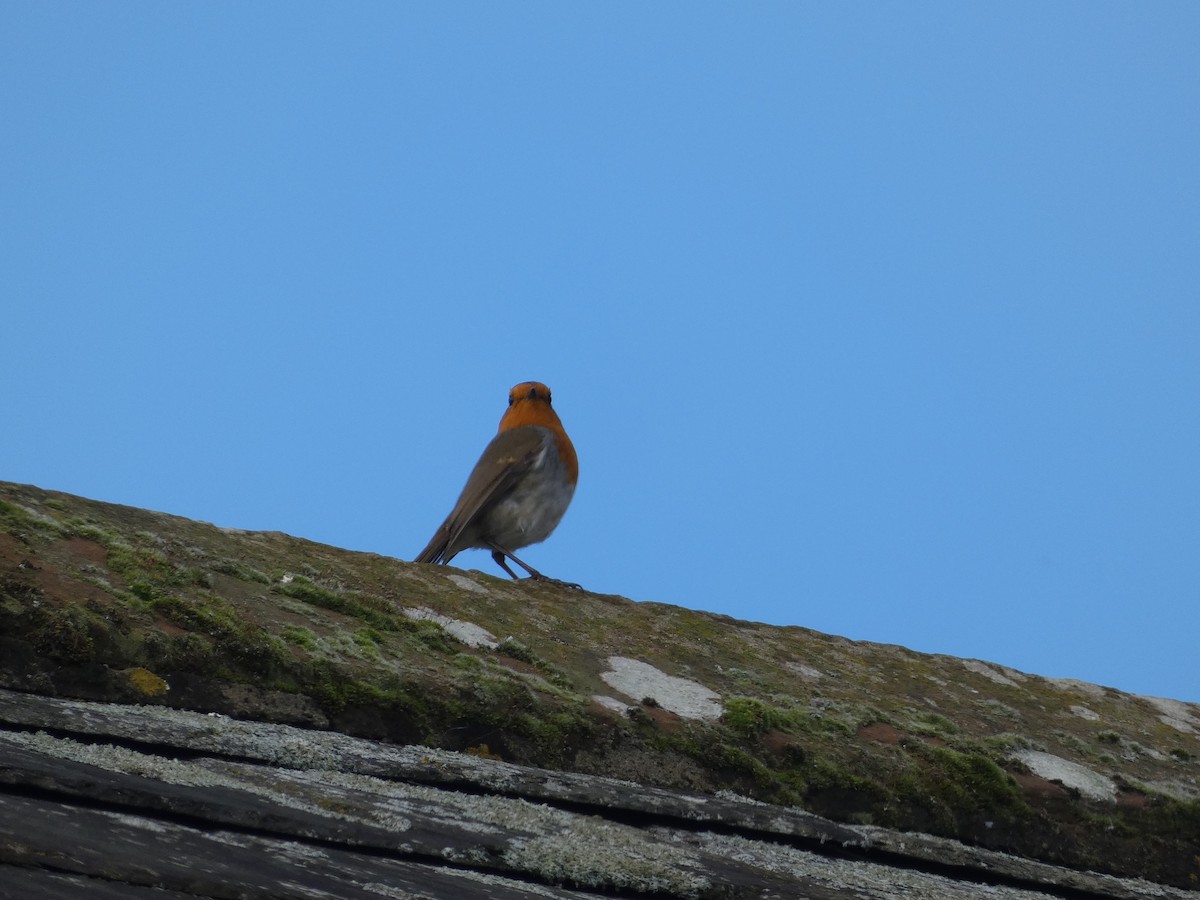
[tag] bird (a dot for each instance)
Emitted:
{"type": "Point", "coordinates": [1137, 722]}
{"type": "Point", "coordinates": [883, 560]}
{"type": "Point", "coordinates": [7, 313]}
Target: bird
{"type": "Point", "coordinates": [518, 491]}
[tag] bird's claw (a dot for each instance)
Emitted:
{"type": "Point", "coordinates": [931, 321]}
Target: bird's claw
{"type": "Point", "coordinates": [545, 579]}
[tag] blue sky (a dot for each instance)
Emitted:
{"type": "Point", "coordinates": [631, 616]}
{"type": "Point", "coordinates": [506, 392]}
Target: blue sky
{"type": "Point", "coordinates": [880, 319]}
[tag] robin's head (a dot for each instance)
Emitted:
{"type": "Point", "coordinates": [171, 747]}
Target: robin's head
{"type": "Point", "coordinates": [529, 390]}
{"type": "Point", "coordinates": [529, 404]}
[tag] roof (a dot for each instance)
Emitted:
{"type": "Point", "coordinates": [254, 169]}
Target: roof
{"type": "Point", "coordinates": [176, 699]}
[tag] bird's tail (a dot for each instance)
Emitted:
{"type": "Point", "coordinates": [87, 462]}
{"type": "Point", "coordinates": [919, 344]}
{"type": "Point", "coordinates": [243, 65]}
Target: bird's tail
{"type": "Point", "coordinates": [435, 550]}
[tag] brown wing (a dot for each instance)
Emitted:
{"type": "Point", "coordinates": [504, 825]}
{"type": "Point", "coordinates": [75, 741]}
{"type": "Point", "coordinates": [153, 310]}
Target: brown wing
{"type": "Point", "coordinates": [504, 461]}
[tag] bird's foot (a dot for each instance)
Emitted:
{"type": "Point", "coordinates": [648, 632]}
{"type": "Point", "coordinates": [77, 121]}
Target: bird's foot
{"type": "Point", "coordinates": [546, 579]}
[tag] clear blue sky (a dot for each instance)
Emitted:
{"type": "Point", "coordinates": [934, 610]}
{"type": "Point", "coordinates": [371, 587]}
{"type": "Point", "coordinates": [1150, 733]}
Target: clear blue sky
{"type": "Point", "coordinates": [881, 319]}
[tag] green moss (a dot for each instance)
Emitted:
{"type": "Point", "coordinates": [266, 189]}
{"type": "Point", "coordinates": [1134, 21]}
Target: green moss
{"type": "Point", "coordinates": [490, 703]}
{"type": "Point", "coordinates": [1001, 745]}
{"type": "Point", "coordinates": [736, 767]}
{"type": "Point", "coordinates": [1180, 816]}
{"type": "Point", "coordinates": [983, 778]}
{"type": "Point", "coordinates": [299, 637]}
{"type": "Point", "coordinates": [189, 652]}
{"type": "Point", "coordinates": [749, 718]}
{"type": "Point", "coordinates": [955, 786]}
{"type": "Point", "coordinates": [826, 724]}
{"type": "Point", "coordinates": [371, 610]}
{"type": "Point", "coordinates": [514, 649]}
{"type": "Point", "coordinates": [467, 662]}
{"type": "Point", "coordinates": [640, 718]}
{"type": "Point", "coordinates": [739, 763]}
{"type": "Point", "coordinates": [555, 735]}
{"type": "Point", "coordinates": [932, 724]}
{"type": "Point", "coordinates": [186, 576]}
{"type": "Point", "coordinates": [65, 634]}
{"type": "Point", "coordinates": [336, 694]}
{"type": "Point", "coordinates": [497, 699]}
{"type": "Point", "coordinates": [145, 592]}
{"type": "Point", "coordinates": [389, 699]}
{"type": "Point", "coordinates": [368, 636]}
{"type": "Point", "coordinates": [367, 640]}
{"type": "Point", "coordinates": [729, 763]}
{"type": "Point", "coordinates": [1109, 825]}
{"type": "Point", "coordinates": [240, 571]}
{"type": "Point", "coordinates": [796, 783]}
{"type": "Point", "coordinates": [432, 635]}
{"type": "Point", "coordinates": [138, 562]}
{"type": "Point", "coordinates": [76, 527]}
{"type": "Point", "coordinates": [22, 522]}
{"type": "Point", "coordinates": [242, 649]}
{"type": "Point", "coordinates": [825, 773]}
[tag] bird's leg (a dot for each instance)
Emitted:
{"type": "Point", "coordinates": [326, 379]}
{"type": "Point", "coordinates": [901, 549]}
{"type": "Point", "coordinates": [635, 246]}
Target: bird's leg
{"type": "Point", "coordinates": [498, 556]}
{"type": "Point", "coordinates": [499, 553]}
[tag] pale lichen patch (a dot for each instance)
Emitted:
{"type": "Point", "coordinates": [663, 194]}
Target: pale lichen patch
{"type": "Point", "coordinates": [1077, 686]}
{"type": "Point", "coordinates": [39, 516]}
{"type": "Point", "coordinates": [467, 584]}
{"type": "Point", "coordinates": [603, 855]}
{"type": "Point", "coordinates": [682, 696]}
{"type": "Point", "coordinates": [808, 673]}
{"type": "Point", "coordinates": [610, 702]}
{"type": "Point", "coordinates": [1177, 714]}
{"type": "Point", "coordinates": [1072, 775]}
{"type": "Point", "coordinates": [990, 672]}
{"type": "Point", "coordinates": [1180, 790]}
{"type": "Point", "coordinates": [844, 877]}
{"type": "Point", "coordinates": [468, 632]}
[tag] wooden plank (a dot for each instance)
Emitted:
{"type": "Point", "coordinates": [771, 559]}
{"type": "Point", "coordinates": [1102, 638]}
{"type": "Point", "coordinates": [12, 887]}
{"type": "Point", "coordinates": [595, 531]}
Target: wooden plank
{"type": "Point", "coordinates": [490, 835]}
{"type": "Point", "coordinates": [42, 884]}
{"type": "Point", "coordinates": [46, 847]}
{"type": "Point", "coordinates": [444, 809]}
{"type": "Point", "coordinates": [293, 747]}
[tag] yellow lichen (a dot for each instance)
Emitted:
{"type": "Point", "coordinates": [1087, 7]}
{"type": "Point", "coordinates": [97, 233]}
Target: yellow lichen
{"type": "Point", "coordinates": [482, 751]}
{"type": "Point", "coordinates": [147, 682]}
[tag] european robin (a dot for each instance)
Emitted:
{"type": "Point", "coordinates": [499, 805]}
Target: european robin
{"type": "Point", "coordinates": [518, 491]}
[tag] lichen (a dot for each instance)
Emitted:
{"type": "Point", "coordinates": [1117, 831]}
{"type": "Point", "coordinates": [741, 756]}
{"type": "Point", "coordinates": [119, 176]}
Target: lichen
{"type": "Point", "coordinates": [146, 682]}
